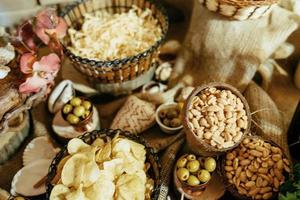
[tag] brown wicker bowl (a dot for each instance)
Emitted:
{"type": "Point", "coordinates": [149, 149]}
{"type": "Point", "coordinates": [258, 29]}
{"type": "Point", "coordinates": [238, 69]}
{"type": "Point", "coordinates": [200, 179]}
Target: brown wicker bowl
{"type": "Point", "coordinates": [151, 158]}
{"type": "Point", "coordinates": [231, 187]}
{"type": "Point", "coordinates": [197, 145]}
{"type": "Point", "coordinates": [120, 71]}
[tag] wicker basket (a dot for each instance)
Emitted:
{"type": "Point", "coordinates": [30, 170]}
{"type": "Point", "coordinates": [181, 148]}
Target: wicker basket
{"type": "Point", "coordinates": [230, 187]}
{"type": "Point", "coordinates": [120, 70]}
{"type": "Point", "coordinates": [151, 157]}
{"type": "Point", "coordinates": [240, 9]}
{"type": "Point", "coordinates": [197, 145]}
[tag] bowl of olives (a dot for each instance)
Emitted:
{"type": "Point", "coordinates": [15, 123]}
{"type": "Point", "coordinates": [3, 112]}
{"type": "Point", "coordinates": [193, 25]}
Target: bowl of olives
{"type": "Point", "coordinates": [168, 117]}
{"type": "Point", "coordinates": [78, 111]}
{"type": "Point", "coordinates": [192, 174]}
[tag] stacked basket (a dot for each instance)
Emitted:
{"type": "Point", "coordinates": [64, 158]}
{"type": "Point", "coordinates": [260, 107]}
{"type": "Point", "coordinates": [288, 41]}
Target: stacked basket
{"type": "Point", "coordinates": [127, 73]}
{"type": "Point", "coordinates": [240, 9]}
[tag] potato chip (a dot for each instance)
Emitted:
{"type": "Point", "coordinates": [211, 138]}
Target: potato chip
{"type": "Point", "coordinates": [59, 192]}
{"type": "Point", "coordinates": [91, 173]}
{"type": "Point", "coordinates": [104, 154]}
{"type": "Point", "coordinates": [138, 151]}
{"type": "Point", "coordinates": [103, 189]}
{"type": "Point", "coordinates": [130, 187]}
{"type": "Point", "coordinates": [73, 171]}
{"type": "Point", "coordinates": [77, 194]}
{"type": "Point", "coordinates": [121, 145]}
{"type": "Point", "coordinates": [130, 164]}
{"type": "Point", "coordinates": [75, 145]}
{"type": "Point", "coordinates": [59, 169]}
{"type": "Point", "coordinates": [98, 143]}
{"type": "Point", "coordinates": [114, 166]}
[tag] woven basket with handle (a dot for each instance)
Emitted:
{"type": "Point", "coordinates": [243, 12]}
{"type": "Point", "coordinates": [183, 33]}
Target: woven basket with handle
{"type": "Point", "coordinates": [240, 9]}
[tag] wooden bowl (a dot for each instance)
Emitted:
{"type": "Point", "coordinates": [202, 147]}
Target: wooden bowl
{"type": "Point", "coordinates": [231, 187]}
{"type": "Point", "coordinates": [197, 145]}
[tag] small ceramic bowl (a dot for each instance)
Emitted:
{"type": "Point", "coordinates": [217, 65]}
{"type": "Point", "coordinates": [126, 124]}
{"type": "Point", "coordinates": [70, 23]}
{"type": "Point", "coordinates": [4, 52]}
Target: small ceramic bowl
{"type": "Point", "coordinates": [164, 128]}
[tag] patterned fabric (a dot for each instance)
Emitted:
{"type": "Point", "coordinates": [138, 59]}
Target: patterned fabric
{"type": "Point", "coordinates": [135, 116]}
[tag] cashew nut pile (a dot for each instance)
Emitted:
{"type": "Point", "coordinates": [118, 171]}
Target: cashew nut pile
{"type": "Point", "coordinates": [218, 117]}
{"type": "Point", "coordinates": [256, 168]}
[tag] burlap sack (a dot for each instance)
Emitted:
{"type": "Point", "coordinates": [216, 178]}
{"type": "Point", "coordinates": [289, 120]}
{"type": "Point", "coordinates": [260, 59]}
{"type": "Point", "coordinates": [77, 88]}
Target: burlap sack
{"type": "Point", "coordinates": [135, 116]}
{"type": "Point", "coordinates": [268, 121]}
{"type": "Point", "coordinates": [223, 50]}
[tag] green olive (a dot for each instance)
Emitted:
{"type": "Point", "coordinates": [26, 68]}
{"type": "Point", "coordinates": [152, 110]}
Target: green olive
{"type": "Point", "coordinates": [181, 162]}
{"type": "Point", "coordinates": [193, 181]}
{"type": "Point", "coordinates": [86, 114]}
{"type": "Point", "coordinates": [79, 111]}
{"type": "Point", "coordinates": [191, 157]}
{"type": "Point", "coordinates": [87, 105]}
{"type": "Point", "coordinates": [210, 164]}
{"type": "Point", "coordinates": [163, 114]}
{"type": "Point", "coordinates": [204, 176]}
{"type": "Point", "coordinates": [175, 122]}
{"type": "Point", "coordinates": [193, 166]}
{"type": "Point", "coordinates": [72, 119]}
{"type": "Point", "coordinates": [67, 109]}
{"type": "Point", "coordinates": [166, 122]}
{"type": "Point", "coordinates": [75, 101]}
{"type": "Point", "coordinates": [172, 113]}
{"type": "Point", "coordinates": [183, 174]}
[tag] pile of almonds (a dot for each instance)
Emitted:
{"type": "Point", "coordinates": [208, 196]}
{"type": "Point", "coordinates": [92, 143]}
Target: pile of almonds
{"type": "Point", "coordinates": [256, 168]}
{"type": "Point", "coordinates": [218, 117]}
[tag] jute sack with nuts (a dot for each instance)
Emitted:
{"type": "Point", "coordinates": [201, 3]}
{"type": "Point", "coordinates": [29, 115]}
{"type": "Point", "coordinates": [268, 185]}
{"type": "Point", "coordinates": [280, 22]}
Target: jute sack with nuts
{"type": "Point", "coordinates": [268, 121]}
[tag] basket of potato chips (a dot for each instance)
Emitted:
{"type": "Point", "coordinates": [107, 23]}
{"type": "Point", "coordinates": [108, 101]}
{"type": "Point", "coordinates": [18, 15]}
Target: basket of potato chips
{"type": "Point", "coordinates": [105, 164]}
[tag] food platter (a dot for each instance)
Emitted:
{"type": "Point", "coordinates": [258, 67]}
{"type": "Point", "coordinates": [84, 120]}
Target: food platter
{"type": "Point", "coordinates": [114, 72]}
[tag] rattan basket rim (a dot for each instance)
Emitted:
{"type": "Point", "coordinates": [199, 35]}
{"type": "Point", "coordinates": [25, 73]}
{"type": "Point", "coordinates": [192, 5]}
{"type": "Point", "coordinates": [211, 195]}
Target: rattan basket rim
{"type": "Point", "coordinates": [114, 64]}
{"type": "Point", "coordinates": [220, 85]}
{"type": "Point", "coordinates": [247, 3]}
